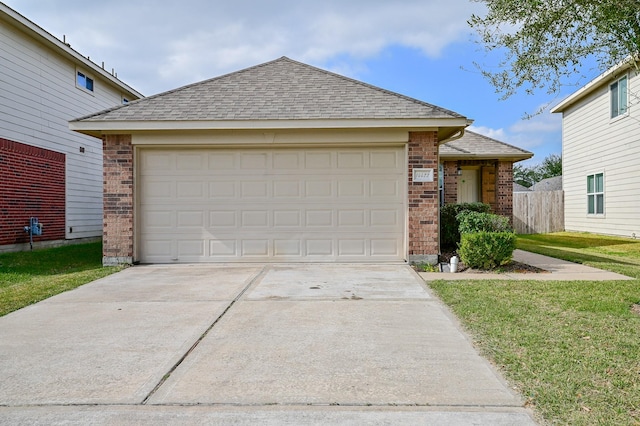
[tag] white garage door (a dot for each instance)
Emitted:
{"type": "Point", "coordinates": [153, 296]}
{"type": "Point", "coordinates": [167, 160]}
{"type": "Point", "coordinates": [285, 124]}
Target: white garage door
{"type": "Point", "coordinates": [271, 205]}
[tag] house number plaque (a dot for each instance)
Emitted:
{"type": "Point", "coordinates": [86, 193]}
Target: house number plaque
{"type": "Point", "coordinates": [423, 175]}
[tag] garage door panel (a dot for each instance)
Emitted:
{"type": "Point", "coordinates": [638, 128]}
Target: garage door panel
{"type": "Point", "coordinates": [255, 248]}
{"type": "Point", "coordinates": [351, 160]}
{"type": "Point", "coordinates": [190, 248]}
{"type": "Point", "coordinates": [220, 161]}
{"type": "Point", "coordinates": [223, 248]}
{"type": "Point", "coordinates": [223, 219]}
{"type": "Point", "coordinates": [190, 219]}
{"type": "Point", "coordinates": [190, 189]}
{"type": "Point", "coordinates": [189, 162]}
{"type": "Point", "coordinates": [222, 189]}
{"type": "Point", "coordinates": [386, 160]}
{"type": "Point", "coordinates": [219, 205]}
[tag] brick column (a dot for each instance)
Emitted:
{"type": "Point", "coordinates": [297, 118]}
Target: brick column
{"type": "Point", "coordinates": [117, 238]}
{"type": "Point", "coordinates": [505, 189]}
{"type": "Point", "coordinates": [450, 182]}
{"type": "Point", "coordinates": [424, 244]}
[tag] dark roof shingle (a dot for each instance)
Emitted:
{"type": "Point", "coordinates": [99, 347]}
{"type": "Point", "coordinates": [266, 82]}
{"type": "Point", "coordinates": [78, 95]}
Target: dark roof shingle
{"type": "Point", "coordinates": [476, 145]}
{"type": "Point", "coordinates": [278, 90]}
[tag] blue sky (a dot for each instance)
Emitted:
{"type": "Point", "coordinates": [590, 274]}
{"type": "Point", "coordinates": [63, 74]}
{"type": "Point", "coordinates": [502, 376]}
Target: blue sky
{"type": "Point", "coordinates": [420, 48]}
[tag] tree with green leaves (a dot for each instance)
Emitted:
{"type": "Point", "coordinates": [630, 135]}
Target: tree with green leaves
{"type": "Point", "coordinates": [526, 176]}
{"type": "Point", "coordinates": [544, 42]}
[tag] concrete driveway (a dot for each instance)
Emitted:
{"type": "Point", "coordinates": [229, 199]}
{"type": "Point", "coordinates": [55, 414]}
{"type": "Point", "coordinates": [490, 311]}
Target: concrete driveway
{"type": "Point", "coordinates": [248, 344]}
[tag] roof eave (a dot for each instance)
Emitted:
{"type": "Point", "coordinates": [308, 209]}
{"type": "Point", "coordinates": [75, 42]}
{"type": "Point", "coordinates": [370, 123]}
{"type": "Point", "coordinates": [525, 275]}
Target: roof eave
{"type": "Point", "coordinates": [96, 128]}
{"type": "Point", "coordinates": [503, 157]}
{"type": "Point", "coordinates": [593, 85]}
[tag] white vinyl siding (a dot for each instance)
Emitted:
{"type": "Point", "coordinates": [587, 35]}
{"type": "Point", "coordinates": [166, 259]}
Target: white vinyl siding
{"type": "Point", "coordinates": [592, 142]}
{"type": "Point", "coordinates": [272, 205]}
{"type": "Point", "coordinates": [39, 97]}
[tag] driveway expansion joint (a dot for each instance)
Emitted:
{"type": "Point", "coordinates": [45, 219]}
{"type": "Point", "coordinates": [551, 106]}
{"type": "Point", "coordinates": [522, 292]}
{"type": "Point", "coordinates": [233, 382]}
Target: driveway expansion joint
{"type": "Point", "coordinates": [203, 335]}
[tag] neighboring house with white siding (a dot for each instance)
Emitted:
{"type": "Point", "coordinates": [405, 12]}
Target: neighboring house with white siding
{"type": "Point", "coordinates": [600, 153]}
{"type": "Point", "coordinates": [46, 170]}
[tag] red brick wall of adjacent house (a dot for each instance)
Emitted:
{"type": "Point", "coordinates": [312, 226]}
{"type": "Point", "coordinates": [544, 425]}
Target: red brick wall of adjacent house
{"type": "Point", "coordinates": [423, 196]}
{"type": "Point", "coordinates": [32, 183]}
{"type": "Point", "coordinates": [117, 238]}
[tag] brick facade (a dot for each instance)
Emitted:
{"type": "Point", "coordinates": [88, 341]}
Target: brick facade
{"type": "Point", "coordinates": [423, 197]}
{"type": "Point", "coordinates": [118, 236]}
{"type": "Point", "coordinates": [424, 243]}
{"type": "Point", "coordinates": [32, 183]}
{"type": "Point", "coordinates": [505, 189]}
{"type": "Point", "coordinates": [450, 182]}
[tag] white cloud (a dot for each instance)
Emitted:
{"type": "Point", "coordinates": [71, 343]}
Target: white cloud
{"type": "Point", "coordinates": [539, 133]}
{"type": "Point", "coordinates": [498, 134]}
{"type": "Point", "coordinates": [160, 45]}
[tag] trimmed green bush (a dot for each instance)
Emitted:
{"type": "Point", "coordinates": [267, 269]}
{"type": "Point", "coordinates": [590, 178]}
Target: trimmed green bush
{"type": "Point", "coordinates": [487, 250]}
{"type": "Point", "coordinates": [449, 233]}
{"type": "Point", "coordinates": [471, 221]}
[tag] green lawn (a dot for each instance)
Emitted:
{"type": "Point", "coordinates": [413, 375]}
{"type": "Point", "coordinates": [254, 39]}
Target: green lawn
{"type": "Point", "coordinates": [28, 277]}
{"type": "Point", "coordinates": [572, 349]}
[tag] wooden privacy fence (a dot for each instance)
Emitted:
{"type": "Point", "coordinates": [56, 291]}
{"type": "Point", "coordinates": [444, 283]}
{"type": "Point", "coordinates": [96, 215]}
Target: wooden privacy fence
{"type": "Point", "coordinates": [538, 212]}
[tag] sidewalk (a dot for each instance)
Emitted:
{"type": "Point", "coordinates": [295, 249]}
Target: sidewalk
{"type": "Point", "coordinates": [557, 270]}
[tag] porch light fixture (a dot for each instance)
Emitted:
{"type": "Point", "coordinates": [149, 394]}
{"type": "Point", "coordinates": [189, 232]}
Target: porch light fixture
{"type": "Point", "coordinates": [459, 170]}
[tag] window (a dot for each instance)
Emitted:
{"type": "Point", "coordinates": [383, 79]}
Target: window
{"type": "Point", "coordinates": [595, 193]}
{"type": "Point", "coordinates": [84, 82]}
{"type": "Point", "coordinates": [619, 98]}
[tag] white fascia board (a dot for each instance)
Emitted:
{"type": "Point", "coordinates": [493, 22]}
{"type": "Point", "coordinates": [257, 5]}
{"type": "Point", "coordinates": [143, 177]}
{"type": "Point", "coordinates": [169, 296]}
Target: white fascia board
{"type": "Point", "coordinates": [53, 42]}
{"type": "Point", "coordinates": [508, 157]}
{"type": "Point", "coordinates": [97, 128]}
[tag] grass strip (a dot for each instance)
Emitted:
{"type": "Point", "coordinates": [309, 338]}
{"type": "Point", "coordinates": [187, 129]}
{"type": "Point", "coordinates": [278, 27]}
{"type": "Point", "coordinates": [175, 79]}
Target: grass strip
{"type": "Point", "coordinates": [31, 276]}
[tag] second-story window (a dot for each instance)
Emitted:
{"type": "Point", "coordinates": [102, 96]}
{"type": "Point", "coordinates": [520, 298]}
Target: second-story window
{"type": "Point", "coordinates": [619, 97]}
{"type": "Point", "coordinates": [83, 81]}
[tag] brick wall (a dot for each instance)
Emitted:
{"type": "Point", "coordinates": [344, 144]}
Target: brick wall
{"type": "Point", "coordinates": [450, 182]}
{"type": "Point", "coordinates": [32, 183]}
{"type": "Point", "coordinates": [505, 189]}
{"type": "Point", "coordinates": [423, 198]}
{"type": "Point", "coordinates": [118, 199]}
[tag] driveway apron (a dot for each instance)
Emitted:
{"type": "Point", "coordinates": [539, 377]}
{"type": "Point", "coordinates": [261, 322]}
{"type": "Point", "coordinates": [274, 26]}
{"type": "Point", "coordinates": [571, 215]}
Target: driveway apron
{"type": "Point", "coordinates": [271, 343]}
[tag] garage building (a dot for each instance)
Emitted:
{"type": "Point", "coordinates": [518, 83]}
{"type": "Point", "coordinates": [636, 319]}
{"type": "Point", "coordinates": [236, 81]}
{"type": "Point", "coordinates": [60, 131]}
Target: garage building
{"type": "Point", "coordinates": [280, 162]}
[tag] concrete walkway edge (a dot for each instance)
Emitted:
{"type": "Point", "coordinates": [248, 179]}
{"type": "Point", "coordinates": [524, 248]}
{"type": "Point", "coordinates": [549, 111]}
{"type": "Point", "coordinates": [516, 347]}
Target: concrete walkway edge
{"type": "Point", "coordinates": [557, 270]}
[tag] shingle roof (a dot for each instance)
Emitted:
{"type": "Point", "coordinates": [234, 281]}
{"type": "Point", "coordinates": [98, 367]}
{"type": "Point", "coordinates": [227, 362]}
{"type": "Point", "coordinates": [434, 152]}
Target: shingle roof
{"type": "Point", "coordinates": [473, 145]}
{"type": "Point", "coordinates": [278, 90]}
{"type": "Point", "coordinates": [548, 184]}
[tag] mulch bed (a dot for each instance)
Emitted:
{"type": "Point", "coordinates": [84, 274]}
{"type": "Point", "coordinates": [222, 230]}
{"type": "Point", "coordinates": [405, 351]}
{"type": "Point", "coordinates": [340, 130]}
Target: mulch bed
{"type": "Point", "coordinates": [514, 267]}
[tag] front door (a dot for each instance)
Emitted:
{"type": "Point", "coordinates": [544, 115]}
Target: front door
{"type": "Point", "coordinates": [468, 186]}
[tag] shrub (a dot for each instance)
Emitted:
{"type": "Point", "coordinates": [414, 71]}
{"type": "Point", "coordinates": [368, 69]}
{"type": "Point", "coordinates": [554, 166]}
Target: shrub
{"type": "Point", "coordinates": [471, 221]}
{"type": "Point", "coordinates": [449, 233]}
{"type": "Point", "coordinates": [487, 250]}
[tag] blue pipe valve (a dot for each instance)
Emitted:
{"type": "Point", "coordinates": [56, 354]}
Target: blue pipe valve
{"type": "Point", "coordinates": [34, 228]}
